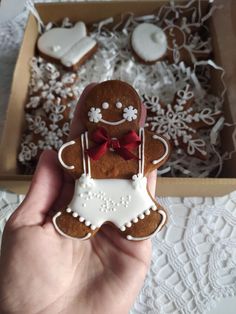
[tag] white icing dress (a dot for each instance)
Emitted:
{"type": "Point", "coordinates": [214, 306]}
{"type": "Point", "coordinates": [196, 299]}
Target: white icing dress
{"type": "Point", "coordinates": [119, 201]}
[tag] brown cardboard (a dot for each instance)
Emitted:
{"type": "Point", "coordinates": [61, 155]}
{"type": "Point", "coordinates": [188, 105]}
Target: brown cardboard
{"type": "Point", "coordinates": [224, 47]}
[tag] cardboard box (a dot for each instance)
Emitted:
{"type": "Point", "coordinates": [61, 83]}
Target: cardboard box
{"type": "Point", "coordinates": [223, 32]}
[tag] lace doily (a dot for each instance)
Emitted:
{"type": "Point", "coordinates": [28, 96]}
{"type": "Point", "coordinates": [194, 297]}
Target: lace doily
{"type": "Point", "coordinates": [194, 257]}
{"type": "Point", "coordinates": [8, 203]}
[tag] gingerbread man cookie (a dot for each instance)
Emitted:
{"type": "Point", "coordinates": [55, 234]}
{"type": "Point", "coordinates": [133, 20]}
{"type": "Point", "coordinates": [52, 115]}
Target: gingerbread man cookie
{"type": "Point", "coordinates": [110, 162]}
{"type": "Point", "coordinates": [70, 46]}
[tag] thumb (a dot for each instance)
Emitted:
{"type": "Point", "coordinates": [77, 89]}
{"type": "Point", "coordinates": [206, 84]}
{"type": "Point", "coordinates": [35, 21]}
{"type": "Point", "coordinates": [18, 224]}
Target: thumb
{"type": "Point", "coordinates": [43, 192]}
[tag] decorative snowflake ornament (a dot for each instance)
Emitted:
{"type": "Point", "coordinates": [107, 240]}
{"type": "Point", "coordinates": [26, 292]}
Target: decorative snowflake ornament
{"type": "Point", "coordinates": [179, 123]}
{"type": "Point", "coordinates": [130, 113]}
{"type": "Point", "coordinates": [94, 115]}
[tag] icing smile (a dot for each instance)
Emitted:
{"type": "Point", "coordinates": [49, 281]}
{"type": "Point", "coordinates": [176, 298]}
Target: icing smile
{"type": "Point", "coordinates": [129, 114]}
{"type": "Point", "coordinates": [113, 122]}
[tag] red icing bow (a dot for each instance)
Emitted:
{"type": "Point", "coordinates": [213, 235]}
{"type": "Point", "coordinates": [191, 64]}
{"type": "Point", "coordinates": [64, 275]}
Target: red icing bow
{"type": "Point", "coordinates": [122, 146]}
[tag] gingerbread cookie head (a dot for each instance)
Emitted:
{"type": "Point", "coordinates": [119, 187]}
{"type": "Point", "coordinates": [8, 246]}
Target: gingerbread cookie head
{"type": "Point", "coordinates": [113, 105]}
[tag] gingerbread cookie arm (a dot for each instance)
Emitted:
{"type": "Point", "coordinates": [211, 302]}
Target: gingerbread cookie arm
{"type": "Point", "coordinates": [72, 156]}
{"type": "Point", "coordinates": [157, 151]}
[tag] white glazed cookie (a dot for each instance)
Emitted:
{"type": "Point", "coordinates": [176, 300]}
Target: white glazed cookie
{"type": "Point", "coordinates": [68, 45]}
{"type": "Point", "coordinates": [149, 42]}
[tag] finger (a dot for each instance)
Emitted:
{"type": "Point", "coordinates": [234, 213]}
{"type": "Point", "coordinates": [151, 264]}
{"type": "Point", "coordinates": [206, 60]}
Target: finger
{"type": "Point", "coordinates": [44, 190]}
{"type": "Point", "coordinates": [141, 250]}
{"type": "Point", "coordinates": [77, 126]}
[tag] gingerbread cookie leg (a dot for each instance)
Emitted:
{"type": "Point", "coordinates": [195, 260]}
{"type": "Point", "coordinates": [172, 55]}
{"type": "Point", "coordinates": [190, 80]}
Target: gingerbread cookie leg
{"type": "Point", "coordinates": [72, 227]}
{"type": "Point", "coordinates": [146, 225]}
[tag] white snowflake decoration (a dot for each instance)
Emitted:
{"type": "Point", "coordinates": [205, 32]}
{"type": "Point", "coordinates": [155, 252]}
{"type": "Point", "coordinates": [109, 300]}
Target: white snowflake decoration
{"type": "Point", "coordinates": [179, 123]}
{"type": "Point", "coordinates": [94, 115]}
{"type": "Point", "coordinates": [130, 113]}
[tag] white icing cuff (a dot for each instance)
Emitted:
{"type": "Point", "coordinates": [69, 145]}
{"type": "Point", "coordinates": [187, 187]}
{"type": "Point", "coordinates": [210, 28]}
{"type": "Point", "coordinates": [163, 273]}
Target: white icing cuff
{"type": "Point", "coordinates": [78, 51]}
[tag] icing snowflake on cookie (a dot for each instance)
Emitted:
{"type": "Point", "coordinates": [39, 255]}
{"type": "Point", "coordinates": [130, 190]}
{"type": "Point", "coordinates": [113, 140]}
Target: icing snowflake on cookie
{"type": "Point", "coordinates": [179, 123]}
{"type": "Point", "coordinates": [36, 124]}
{"type": "Point", "coordinates": [33, 103]}
{"type": "Point", "coordinates": [94, 115]}
{"type": "Point", "coordinates": [48, 82]}
{"type": "Point", "coordinates": [28, 152]}
{"type": "Point", "coordinates": [130, 113]}
{"type": "Point", "coordinates": [52, 139]}
{"type": "Point", "coordinates": [56, 88]}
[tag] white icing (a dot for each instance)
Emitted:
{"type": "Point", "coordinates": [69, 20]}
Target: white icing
{"type": "Point", "coordinates": [68, 78]}
{"type": "Point", "coordinates": [60, 155]}
{"type": "Point", "coordinates": [119, 201]}
{"type": "Point", "coordinates": [130, 113]}
{"type": "Point", "coordinates": [113, 122]}
{"type": "Point", "coordinates": [118, 105]}
{"type": "Point", "coordinates": [163, 221]}
{"type": "Point", "coordinates": [65, 38]}
{"type": "Point", "coordinates": [149, 42]}
{"type": "Point", "coordinates": [78, 51]}
{"type": "Point", "coordinates": [141, 154]}
{"type": "Point", "coordinates": [34, 102]}
{"type": "Point", "coordinates": [174, 121]}
{"type": "Point", "coordinates": [67, 45]}
{"type": "Point", "coordinates": [54, 220]}
{"type": "Point", "coordinates": [105, 105]}
{"type": "Point", "coordinates": [56, 48]}
{"type": "Point", "coordinates": [95, 115]}
{"type": "Point", "coordinates": [166, 153]}
{"type": "Point", "coordinates": [88, 158]}
{"type": "Point", "coordinates": [171, 29]}
{"type": "Point", "coordinates": [113, 200]}
{"type": "Point", "coordinates": [84, 179]}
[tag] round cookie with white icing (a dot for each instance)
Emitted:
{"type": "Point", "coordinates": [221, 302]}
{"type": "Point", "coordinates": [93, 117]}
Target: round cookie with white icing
{"type": "Point", "coordinates": [149, 42]}
{"type": "Point", "coordinates": [110, 162]}
{"type": "Point", "coordinates": [69, 46]}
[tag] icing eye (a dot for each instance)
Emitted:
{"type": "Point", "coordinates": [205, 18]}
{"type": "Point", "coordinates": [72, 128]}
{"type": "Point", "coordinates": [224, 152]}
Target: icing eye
{"type": "Point", "coordinates": [105, 105]}
{"type": "Point", "coordinates": [119, 105]}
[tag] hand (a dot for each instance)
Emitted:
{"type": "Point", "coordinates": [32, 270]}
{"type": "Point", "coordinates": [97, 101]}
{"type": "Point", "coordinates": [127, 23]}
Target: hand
{"type": "Point", "coordinates": [43, 272]}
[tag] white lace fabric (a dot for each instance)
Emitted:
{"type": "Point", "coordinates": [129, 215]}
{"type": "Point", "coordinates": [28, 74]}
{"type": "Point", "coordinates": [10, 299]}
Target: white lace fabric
{"type": "Point", "coordinates": [194, 256]}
